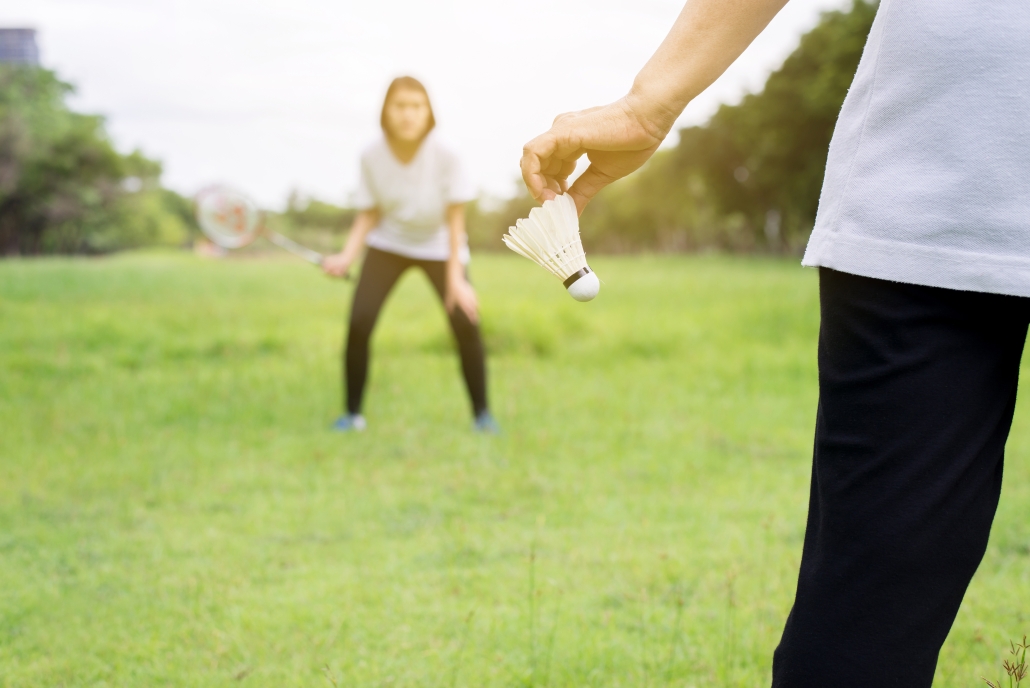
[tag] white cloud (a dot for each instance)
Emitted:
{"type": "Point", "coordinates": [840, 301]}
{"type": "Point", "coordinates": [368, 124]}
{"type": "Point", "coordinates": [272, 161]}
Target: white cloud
{"type": "Point", "coordinates": [274, 94]}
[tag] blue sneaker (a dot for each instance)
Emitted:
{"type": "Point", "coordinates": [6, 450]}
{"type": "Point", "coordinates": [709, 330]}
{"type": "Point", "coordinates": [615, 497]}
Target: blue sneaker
{"type": "Point", "coordinates": [350, 422]}
{"type": "Point", "coordinates": [486, 424]}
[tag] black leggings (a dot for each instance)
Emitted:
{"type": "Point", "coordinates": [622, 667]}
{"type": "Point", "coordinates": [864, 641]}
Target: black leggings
{"type": "Point", "coordinates": [917, 386]}
{"type": "Point", "coordinates": [379, 274]}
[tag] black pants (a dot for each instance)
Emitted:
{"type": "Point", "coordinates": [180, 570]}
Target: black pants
{"type": "Point", "coordinates": [379, 274]}
{"type": "Point", "coordinates": [916, 391]}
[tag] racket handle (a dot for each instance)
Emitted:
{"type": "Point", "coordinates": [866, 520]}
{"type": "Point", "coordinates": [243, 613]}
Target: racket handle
{"type": "Point", "coordinates": [294, 248]}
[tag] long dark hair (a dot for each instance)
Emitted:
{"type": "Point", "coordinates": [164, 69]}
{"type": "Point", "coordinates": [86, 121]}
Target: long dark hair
{"type": "Point", "coordinates": [409, 83]}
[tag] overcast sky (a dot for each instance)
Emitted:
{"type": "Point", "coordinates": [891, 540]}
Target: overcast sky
{"type": "Point", "coordinates": [272, 95]}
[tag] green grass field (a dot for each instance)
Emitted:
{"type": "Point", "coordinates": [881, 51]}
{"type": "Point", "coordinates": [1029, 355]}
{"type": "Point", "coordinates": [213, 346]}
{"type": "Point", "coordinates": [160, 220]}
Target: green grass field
{"type": "Point", "coordinates": [174, 511]}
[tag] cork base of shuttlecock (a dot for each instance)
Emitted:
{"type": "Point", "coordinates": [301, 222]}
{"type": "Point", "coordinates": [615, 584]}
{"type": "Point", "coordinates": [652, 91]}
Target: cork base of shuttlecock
{"type": "Point", "coordinates": [583, 285]}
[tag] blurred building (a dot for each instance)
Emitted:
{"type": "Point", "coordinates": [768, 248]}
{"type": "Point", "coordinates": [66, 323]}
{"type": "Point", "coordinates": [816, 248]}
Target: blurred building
{"type": "Point", "coordinates": [19, 45]}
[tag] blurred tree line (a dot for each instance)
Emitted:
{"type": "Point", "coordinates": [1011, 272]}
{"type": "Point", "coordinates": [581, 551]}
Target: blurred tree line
{"type": "Point", "coordinates": [63, 186]}
{"type": "Point", "coordinates": [306, 213]}
{"type": "Point", "coordinates": [748, 180]}
{"type": "Point", "coordinates": [313, 222]}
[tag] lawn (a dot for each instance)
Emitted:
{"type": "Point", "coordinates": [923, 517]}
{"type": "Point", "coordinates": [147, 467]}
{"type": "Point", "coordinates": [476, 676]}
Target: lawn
{"type": "Point", "coordinates": [175, 512]}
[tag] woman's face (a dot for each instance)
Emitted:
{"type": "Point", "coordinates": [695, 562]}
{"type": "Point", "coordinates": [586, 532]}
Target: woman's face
{"type": "Point", "coordinates": [407, 115]}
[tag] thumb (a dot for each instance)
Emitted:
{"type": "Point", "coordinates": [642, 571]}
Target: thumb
{"type": "Point", "coordinates": [587, 186]}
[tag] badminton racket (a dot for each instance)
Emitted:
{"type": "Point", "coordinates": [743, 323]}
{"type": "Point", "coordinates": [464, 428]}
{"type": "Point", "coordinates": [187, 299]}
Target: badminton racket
{"type": "Point", "coordinates": [231, 220]}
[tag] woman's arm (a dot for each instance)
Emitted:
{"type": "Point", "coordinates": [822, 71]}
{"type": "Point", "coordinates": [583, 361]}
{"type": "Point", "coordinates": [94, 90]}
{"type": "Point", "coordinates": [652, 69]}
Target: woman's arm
{"type": "Point", "coordinates": [338, 264]}
{"type": "Point", "coordinates": [618, 138]}
{"type": "Point", "coordinates": [459, 292]}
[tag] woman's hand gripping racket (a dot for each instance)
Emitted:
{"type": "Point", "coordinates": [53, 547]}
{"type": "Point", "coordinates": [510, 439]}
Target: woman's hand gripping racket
{"type": "Point", "coordinates": [231, 220]}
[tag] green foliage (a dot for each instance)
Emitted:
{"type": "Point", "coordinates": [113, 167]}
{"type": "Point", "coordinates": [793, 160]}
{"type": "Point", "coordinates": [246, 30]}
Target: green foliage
{"type": "Point", "coordinates": [63, 186]}
{"type": "Point", "coordinates": [487, 220]}
{"type": "Point", "coordinates": [174, 511]}
{"type": "Point", "coordinates": [58, 171]}
{"type": "Point", "coordinates": [305, 213]}
{"type": "Point", "coordinates": [146, 214]}
{"type": "Point", "coordinates": [750, 178]}
{"type": "Point", "coordinates": [312, 222]}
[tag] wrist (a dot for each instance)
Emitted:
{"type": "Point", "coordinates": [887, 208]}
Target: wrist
{"type": "Point", "coordinates": [651, 108]}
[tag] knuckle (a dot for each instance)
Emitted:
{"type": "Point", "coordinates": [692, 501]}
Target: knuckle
{"type": "Point", "coordinates": [563, 117]}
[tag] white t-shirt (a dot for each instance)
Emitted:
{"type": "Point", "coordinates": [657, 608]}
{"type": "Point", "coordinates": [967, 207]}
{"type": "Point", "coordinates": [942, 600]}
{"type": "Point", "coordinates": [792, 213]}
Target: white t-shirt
{"type": "Point", "coordinates": [412, 198]}
{"type": "Point", "coordinates": [928, 176]}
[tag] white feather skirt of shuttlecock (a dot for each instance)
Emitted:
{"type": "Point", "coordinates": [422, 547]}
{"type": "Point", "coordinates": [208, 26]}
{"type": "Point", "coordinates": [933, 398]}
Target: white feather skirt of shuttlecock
{"type": "Point", "coordinates": [550, 237]}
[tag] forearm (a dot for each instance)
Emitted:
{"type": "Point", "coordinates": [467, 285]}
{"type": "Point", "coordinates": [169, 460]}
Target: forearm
{"type": "Point", "coordinates": [707, 37]}
{"type": "Point", "coordinates": [456, 235]}
{"type": "Point", "coordinates": [362, 225]}
{"type": "Point", "coordinates": [459, 294]}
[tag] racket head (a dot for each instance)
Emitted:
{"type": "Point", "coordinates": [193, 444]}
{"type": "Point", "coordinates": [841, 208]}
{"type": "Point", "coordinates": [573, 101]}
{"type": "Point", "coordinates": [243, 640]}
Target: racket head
{"type": "Point", "coordinates": [227, 216]}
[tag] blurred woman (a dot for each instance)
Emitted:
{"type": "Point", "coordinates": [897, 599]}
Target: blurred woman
{"type": "Point", "coordinates": [411, 200]}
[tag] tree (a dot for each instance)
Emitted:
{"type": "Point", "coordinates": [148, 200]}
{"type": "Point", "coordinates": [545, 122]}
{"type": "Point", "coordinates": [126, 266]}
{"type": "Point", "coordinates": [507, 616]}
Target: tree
{"type": "Point", "coordinates": [63, 186]}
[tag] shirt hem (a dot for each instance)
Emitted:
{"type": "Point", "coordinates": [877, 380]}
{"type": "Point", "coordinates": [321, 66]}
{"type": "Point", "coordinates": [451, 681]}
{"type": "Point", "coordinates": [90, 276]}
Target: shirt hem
{"type": "Point", "coordinates": [914, 264]}
{"type": "Point", "coordinates": [416, 253]}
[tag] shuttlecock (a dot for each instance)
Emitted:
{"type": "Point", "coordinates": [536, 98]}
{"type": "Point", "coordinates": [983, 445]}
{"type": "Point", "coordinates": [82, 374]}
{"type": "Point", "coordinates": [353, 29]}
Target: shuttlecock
{"type": "Point", "coordinates": [550, 237]}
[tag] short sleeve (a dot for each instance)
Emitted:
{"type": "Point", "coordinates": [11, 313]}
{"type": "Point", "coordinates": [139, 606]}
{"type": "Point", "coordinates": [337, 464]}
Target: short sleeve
{"type": "Point", "coordinates": [364, 197]}
{"type": "Point", "coordinates": [457, 187]}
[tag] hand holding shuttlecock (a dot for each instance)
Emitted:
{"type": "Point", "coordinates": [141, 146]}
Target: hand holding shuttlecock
{"type": "Point", "coordinates": [550, 238]}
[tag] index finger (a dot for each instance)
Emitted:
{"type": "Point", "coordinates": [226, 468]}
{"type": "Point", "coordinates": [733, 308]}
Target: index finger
{"type": "Point", "coordinates": [547, 161]}
{"type": "Point", "coordinates": [534, 157]}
